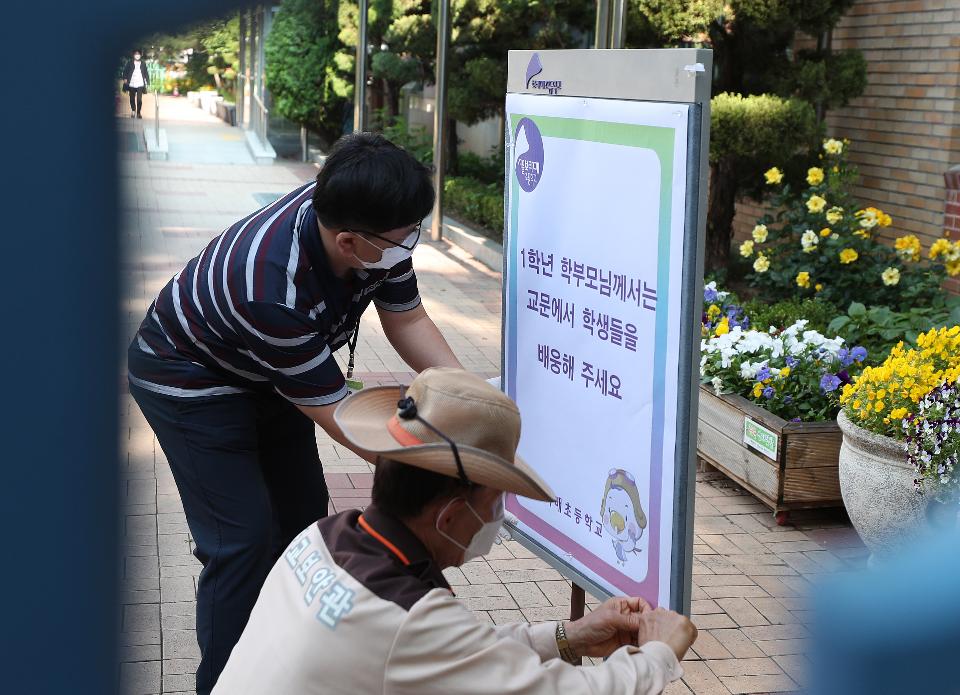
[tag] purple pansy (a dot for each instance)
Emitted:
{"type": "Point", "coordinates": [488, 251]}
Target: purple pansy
{"type": "Point", "coordinates": [846, 359]}
{"type": "Point", "coordinates": [859, 353]}
{"type": "Point", "coordinates": [763, 373]}
{"type": "Point", "coordinates": [829, 382]}
{"type": "Point", "coordinates": [792, 361]}
{"type": "Point", "coordinates": [709, 295]}
{"type": "Point", "coordinates": [768, 392]}
{"type": "Point", "coordinates": [844, 376]}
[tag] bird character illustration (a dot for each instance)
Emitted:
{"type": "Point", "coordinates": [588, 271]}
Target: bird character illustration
{"type": "Point", "coordinates": [622, 514]}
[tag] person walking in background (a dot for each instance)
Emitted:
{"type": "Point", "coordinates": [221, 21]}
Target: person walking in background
{"type": "Point", "coordinates": [135, 81]}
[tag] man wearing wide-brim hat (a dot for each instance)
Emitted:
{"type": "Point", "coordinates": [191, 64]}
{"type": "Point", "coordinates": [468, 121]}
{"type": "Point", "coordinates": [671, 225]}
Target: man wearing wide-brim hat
{"type": "Point", "coordinates": [358, 602]}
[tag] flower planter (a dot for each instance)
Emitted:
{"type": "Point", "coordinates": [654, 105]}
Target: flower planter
{"type": "Point", "coordinates": [877, 485]}
{"type": "Point", "coordinates": [786, 465]}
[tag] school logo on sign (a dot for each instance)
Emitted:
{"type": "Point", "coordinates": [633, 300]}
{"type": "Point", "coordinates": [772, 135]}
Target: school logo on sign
{"type": "Point", "coordinates": [528, 151]}
{"type": "Point", "coordinates": [534, 68]}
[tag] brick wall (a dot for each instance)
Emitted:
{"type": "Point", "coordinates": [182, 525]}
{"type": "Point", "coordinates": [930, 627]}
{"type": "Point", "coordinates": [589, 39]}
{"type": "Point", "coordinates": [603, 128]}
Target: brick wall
{"type": "Point", "coordinates": [905, 128]}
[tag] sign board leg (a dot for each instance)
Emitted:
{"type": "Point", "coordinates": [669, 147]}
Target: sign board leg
{"type": "Point", "coordinates": [578, 602]}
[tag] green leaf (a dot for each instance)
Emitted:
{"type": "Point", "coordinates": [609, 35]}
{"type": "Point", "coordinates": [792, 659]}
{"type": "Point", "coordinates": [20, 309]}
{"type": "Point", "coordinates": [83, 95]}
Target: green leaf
{"type": "Point", "coordinates": [857, 310]}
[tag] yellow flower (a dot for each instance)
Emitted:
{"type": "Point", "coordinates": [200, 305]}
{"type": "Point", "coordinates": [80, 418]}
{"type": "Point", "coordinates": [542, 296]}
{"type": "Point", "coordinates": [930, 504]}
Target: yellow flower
{"type": "Point", "coordinates": [760, 233]}
{"type": "Point", "coordinates": [939, 248]}
{"type": "Point", "coordinates": [856, 403]}
{"type": "Point", "coordinates": [891, 276]}
{"type": "Point", "coordinates": [834, 214]}
{"type": "Point", "coordinates": [898, 413]}
{"type": "Point", "coordinates": [825, 232]}
{"type": "Point", "coordinates": [832, 146]}
{"type": "Point", "coordinates": [879, 406]}
{"type": "Point", "coordinates": [953, 268]}
{"type": "Point", "coordinates": [871, 217]}
{"type": "Point", "coordinates": [723, 327]}
{"type": "Point", "coordinates": [848, 256]}
{"type": "Point", "coordinates": [761, 265]}
{"type": "Point", "coordinates": [803, 279]}
{"type": "Point", "coordinates": [757, 390]}
{"type": "Point", "coordinates": [773, 175]}
{"type": "Point", "coordinates": [816, 203]}
{"type": "Point", "coordinates": [785, 372]}
{"type": "Point", "coordinates": [713, 311]}
{"type": "Point", "coordinates": [746, 248]}
{"type": "Point", "coordinates": [818, 287]}
{"type": "Point", "coordinates": [882, 393]}
{"type": "Point", "coordinates": [908, 247]}
{"type": "Point", "coordinates": [814, 176]}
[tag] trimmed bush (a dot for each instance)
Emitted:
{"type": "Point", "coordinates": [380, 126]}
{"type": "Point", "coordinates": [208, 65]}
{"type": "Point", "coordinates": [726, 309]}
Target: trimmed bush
{"type": "Point", "coordinates": [477, 202]}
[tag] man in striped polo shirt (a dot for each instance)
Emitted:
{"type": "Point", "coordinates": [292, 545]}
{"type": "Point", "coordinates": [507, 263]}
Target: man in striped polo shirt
{"type": "Point", "coordinates": [234, 364]}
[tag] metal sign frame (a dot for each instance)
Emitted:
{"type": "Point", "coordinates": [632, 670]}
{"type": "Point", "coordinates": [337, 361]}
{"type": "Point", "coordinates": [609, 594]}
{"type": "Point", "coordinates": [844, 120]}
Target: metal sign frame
{"type": "Point", "coordinates": [680, 76]}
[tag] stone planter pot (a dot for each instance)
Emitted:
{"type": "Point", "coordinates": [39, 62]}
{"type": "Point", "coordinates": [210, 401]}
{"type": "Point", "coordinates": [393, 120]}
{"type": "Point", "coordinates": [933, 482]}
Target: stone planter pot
{"type": "Point", "coordinates": [876, 482]}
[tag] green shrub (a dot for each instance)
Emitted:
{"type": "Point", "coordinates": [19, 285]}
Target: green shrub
{"type": "Point", "coordinates": [787, 312]}
{"type": "Point", "coordinates": [880, 328]}
{"type": "Point", "coordinates": [475, 201]}
{"type": "Point", "coordinates": [484, 169]}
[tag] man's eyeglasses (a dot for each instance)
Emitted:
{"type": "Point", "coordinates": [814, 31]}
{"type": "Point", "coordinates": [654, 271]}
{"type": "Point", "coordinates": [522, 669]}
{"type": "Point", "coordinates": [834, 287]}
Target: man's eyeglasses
{"type": "Point", "coordinates": [414, 233]}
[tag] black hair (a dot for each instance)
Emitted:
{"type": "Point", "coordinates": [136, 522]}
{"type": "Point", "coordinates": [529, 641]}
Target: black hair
{"type": "Point", "coordinates": [404, 491]}
{"type": "Point", "coordinates": [369, 184]}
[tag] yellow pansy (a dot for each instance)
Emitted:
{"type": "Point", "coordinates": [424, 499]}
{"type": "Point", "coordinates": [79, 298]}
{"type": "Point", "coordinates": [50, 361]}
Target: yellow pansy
{"type": "Point", "coordinates": [834, 214]}
{"type": "Point", "coordinates": [746, 248]}
{"type": "Point", "coordinates": [785, 372]}
{"type": "Point", "coordinates": [773, 175]}
{"type": "Point", "coordinates": [803, 279]}
{"type": "Point", "coordinates": [891, 276]}
{"type": "Point", "coordinates": [760, 233]}
{"type": "Point", "coordinates": [832, 146]}
{"type": "Point", "coordinates": [940, 247]}
{"type": "Point", "coordinates": [879, 406]}
{"type": "Point", "coordinates": [953, 268]}
{"type": "Point", "coordinates": [825, 232]}
{"type": "Point", "coordinates": [723, 327]}
{"type": "Point", "coordinates": [816, 204]}
{"type": "Point", "coordinates": [713, 311]}
{"type": "Point", "coordinates": [762, 264]}
{"type": "Point", "coordinates": [898, 413]}
{"type": "Point", "coordinates": [814, 176]}
{"type": "Point", "coordinates": [848, 256]}
{"type": "Point", "coordinates": [757, 390]}
{"type": "Point", "coordinates": [908, 247]}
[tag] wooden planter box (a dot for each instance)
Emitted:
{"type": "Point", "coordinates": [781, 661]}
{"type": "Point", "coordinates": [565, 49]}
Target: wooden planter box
{"type": "Point", "coordinates": [788, 465]}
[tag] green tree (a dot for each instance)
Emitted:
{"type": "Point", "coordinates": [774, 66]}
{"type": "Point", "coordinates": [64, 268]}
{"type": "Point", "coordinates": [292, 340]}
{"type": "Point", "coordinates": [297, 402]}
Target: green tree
{"type": "Point", "coordinates": [221, 45]}
{"type": "Point", "coordinates": [301, 68]}
{"type": "Point", "coordinates": [752, 42]}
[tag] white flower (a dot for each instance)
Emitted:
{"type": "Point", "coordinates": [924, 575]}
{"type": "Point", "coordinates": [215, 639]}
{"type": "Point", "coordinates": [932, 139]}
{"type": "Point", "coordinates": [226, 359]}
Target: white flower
{"type": "Point", "coordinates": [717, 385]}
{"type": "Point", "coordinates": [809, 240]}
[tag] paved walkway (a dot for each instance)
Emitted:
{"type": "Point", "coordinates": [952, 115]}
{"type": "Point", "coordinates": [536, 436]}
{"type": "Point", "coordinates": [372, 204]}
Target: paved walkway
{"type": "Point", "coordinates": [750, 575]}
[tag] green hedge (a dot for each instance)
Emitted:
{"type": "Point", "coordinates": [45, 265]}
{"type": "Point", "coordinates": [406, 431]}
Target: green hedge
{"type": "Point", "coordinates": [480, 203]}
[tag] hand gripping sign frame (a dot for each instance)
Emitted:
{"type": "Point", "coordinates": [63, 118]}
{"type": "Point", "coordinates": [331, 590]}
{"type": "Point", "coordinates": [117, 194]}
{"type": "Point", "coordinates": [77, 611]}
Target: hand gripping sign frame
{"type": "Point", "coordinates": [606, 159]}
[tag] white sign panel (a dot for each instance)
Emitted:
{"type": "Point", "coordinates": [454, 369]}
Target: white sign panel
{"type": "Point", "coordinates": [594, 260]}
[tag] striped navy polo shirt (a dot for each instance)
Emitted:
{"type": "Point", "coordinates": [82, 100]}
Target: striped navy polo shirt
{"type": "Point", "coordinates": [260, 309]}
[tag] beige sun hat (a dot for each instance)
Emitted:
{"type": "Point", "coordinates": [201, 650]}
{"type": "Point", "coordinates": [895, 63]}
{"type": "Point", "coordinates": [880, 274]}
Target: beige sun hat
{"type": "Point", "coordinates": [483, 423]}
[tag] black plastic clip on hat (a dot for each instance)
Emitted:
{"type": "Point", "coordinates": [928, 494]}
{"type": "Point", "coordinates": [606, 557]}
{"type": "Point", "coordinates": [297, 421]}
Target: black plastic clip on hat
{"type": "Point", "coordinates": [407, 410]}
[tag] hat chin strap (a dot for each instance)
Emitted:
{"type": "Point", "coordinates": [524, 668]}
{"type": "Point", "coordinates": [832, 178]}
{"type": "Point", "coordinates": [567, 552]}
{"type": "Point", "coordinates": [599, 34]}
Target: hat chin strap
{"type": "Point", "coordinates": [407, 410]}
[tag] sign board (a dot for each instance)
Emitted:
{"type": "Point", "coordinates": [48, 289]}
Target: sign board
{"type": "Point", "coordinates": [760, 438]}
{"type": "Point", "coordinates": [602, 272]}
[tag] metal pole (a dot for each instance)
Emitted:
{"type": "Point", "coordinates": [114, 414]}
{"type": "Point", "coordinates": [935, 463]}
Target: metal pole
{"type": "Point", "coordinates": [156, 116]}
{"type": "Point", "coordinates": [578, 601]}
{"type": "Point", "coordinates": [360, 88]}
{"type": "Point", "coordinates": [618, 17]}
{"type": "Point", "coordinates": [241, 77]}
{"type": "Point", "coordinates": [303, 143]}
{"type": "Point", "coordinates": [602, 38]}
{"type": "Point", "coordinates": [440, 116]}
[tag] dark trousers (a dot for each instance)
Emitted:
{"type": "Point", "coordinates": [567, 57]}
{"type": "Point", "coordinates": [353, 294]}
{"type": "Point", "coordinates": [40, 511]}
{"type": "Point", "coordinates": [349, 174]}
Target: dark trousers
{"type": "Point", "coordinates": [136, 98]}
{"type": "Point", "coordinates": [250, 478]}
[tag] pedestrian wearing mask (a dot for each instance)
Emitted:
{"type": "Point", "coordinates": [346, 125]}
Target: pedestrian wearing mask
{"type": "Point", "coordinates": [233, 365]}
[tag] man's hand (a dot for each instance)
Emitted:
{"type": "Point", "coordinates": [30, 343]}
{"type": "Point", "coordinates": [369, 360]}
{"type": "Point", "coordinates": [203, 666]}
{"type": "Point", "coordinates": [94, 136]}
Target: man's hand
{"type": "Point", "coordinates": [621, 621]}
{"type": "Point", "coordinates": [611, 626]}
{"type": "Point", "coordinates": [673, 629]}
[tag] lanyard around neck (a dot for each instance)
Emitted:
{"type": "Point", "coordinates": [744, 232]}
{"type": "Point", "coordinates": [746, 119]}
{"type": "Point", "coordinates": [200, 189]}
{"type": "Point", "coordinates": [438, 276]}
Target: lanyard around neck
{"type": "Point", "coordinates": [353, 348]}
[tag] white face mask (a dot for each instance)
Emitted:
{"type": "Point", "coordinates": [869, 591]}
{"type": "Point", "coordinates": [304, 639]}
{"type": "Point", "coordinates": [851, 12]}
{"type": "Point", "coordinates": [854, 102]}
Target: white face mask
{"type": "Point", "coordinates": [392, 255]}
{"type": "Point", "coordinates": [482, 541]}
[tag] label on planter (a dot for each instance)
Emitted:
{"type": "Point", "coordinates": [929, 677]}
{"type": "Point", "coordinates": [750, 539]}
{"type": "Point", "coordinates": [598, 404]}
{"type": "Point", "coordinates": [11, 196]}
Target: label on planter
{"type": "Point", "coordinates": [760, 438]}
